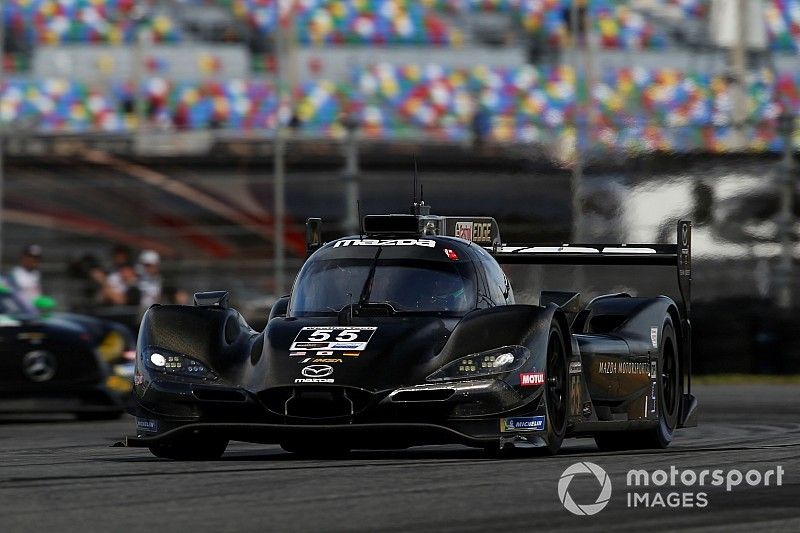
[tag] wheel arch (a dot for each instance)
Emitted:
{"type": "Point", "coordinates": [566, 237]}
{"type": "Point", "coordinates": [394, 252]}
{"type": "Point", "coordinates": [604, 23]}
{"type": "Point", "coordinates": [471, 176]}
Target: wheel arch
{"type": "Point", "coordinates": [569, 342]}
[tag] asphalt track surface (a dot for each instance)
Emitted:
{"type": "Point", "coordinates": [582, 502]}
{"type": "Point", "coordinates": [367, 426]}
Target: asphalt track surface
{"type": "Point", "coordinates": [60, 475]}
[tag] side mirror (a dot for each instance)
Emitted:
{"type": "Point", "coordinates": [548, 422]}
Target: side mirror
{"type": "Point", "coordinates": [219, 299]}
{"type": "Point", "coordinates": [44, 304]}
{"type": "Point", "coordinates": [279, 308]}
{"type": "Point", "coordinates": [313, 235]}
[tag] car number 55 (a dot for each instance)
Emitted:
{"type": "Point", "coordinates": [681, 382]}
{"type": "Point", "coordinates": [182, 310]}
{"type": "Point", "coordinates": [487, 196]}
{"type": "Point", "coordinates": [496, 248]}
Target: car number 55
{"type": "Point", "coordinates": [321, 335]}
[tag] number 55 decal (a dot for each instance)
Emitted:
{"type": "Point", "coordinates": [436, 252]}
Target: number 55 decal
{"type": "Point", "coordinates": [320, 335]}
{"type": "Point", "coordinates": [347, 335]}
{"type": "Point", "coordinates": [350, 338]}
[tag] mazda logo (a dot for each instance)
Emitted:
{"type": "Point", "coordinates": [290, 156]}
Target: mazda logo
{"type": "Point", "coordinates": [39, 366]}
{"type": "Point", "coordinates": [317, 371]}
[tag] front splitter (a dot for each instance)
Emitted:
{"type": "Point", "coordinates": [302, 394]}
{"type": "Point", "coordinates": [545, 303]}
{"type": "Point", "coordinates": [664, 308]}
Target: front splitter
{"type": "Point", "coordinates": [374, 434]}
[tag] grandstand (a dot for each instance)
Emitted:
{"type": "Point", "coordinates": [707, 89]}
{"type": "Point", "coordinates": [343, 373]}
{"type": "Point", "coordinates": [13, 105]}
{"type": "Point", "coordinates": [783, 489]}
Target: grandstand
{"type": "Point", "coordinates": [447, 70]}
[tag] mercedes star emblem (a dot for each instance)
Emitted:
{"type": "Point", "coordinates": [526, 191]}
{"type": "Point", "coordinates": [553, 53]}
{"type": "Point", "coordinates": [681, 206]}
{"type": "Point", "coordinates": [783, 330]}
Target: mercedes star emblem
{"type": "Point", "coordinates": [39, 366]}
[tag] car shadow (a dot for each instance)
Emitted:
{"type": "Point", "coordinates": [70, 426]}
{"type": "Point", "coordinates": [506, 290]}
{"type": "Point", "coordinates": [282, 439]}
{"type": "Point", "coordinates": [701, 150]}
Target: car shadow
{"type": "Point", "coordinates": [439, 453]}
{"type": "Point", "coordinates": [21, 419]}
{"type": "Point", "coordinates": [274, 454]}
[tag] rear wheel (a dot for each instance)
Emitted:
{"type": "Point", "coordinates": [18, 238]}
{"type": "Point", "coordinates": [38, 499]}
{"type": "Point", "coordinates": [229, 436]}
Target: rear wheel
{"type": "Point", "coordinates": [669, 398]}
{"type": "Point", "coordinates": [555, 393]}
{"type": "Point", "coordinates": [669, 391]}
{"type": "Point", "coordinates": [196, 449]}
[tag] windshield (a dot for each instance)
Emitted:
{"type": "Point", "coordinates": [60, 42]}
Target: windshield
{"type": "Point", "coordinates": [408, 285]}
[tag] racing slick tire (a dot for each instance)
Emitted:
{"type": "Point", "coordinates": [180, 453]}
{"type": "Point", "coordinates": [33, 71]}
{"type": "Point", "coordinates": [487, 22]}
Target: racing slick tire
{"type": "Point", "coordinates": [196, 449]}
{"type": "Point", "coordinates": [556, 395]}
{"type": "Point", "coordinates": [669, 394]}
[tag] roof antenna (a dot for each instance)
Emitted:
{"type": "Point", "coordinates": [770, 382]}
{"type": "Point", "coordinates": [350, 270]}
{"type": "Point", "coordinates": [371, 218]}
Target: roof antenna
{"type": "Point", "coordinates": [360, 220]}
{"type": "Point", "coordinates": [419, 207]}
{"type": "Point", "coordinates": [414, 184]}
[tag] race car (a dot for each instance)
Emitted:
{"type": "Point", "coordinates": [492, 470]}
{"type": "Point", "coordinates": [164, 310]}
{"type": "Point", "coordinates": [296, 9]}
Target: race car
{"type": "Point", "coordinates": [409, 334]}
{"type": "Point", "coordinates": [61, 362]}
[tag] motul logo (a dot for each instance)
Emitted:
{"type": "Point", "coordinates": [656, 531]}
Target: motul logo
{"type": "Point", "coordinates": [530, 379]}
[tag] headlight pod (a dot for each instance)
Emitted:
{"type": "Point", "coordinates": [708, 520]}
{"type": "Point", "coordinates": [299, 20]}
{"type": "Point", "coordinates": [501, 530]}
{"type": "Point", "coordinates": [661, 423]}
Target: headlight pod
{"type": "Point", "coordinates": [488, 363]}
{"type": "Point", "coordinates": [175, 364]}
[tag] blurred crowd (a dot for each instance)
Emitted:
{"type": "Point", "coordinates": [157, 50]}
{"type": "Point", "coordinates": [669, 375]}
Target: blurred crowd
{"type": "Point", "coordinates": [127, 280]}
{"type": "Point", "coordinates": [126, 284]}
{"type": "Point", "coordinates": [404, 22]}
{"type": "Point", "coordinates": [675, 110]}
{"type": "Point", "coordinates": [638, 108]}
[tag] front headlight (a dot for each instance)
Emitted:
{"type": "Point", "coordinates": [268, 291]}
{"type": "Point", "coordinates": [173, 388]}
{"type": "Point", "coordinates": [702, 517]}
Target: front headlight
{"type": "Point", "coordinates": [488, 363]}
{"type": "Point", "coordinates": [175, 364]}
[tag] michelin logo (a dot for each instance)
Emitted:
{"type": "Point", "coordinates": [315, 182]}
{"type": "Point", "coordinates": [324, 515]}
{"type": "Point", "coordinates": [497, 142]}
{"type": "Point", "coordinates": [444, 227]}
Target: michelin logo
{"type": "Point", "coordinates": [146, 424]}
{"type": "Point", "coordinates": [527, 423]}
{"type": "Point", "coordinates": [349, 346]}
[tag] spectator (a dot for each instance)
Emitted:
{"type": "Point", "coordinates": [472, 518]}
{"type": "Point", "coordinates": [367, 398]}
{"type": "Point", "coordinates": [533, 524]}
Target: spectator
{"type": "Point", "coordinates": [26, 277]}
{"type": "Point", "coordinates": [175, 296]}
{"type": "Point", "coordinates": [150, 282]}
{"type": "Point", "coordinates": [122, 287]}
{"type": "Point", "coordinates": [92, 278]}
{"type": "Point", "coordinates": [121, 255]}
{"type": "Point", "coordinates": [567, 14]}
{"type": "Point", "coordinates": [481, 127]}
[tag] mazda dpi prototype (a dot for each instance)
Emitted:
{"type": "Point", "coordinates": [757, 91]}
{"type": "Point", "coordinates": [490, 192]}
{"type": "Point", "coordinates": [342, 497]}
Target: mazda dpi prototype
{"type": "Point", "coordinates": [409, 334]}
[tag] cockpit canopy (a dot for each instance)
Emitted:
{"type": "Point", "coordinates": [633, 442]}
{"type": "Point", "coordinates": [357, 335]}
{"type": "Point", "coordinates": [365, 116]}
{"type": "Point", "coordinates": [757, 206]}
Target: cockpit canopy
{"type": "Point", "coordinates": [406, 275]}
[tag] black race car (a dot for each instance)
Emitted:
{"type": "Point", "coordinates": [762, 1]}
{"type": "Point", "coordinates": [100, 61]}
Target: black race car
{"type": "Point", "coordinates": [62, 363]}
{"type": "Point", "coordinates": [409, 334]}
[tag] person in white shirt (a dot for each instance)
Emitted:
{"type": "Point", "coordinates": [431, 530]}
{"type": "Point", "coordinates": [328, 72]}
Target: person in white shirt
{"type": "Point", "coordinates": [150, 281]}
{"type": "Point", "coordinates": [25, 277]}
{"type": "Point", "coordinates": [121, 287]}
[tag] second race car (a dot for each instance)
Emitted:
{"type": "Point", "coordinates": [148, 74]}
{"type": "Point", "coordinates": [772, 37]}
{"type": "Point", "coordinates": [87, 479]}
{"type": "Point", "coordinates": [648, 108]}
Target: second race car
{"type": "Point", "coordinates": [62, 362]}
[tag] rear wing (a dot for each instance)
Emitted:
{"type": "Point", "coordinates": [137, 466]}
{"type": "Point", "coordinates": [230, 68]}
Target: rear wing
{"type": "Point", "coordinates": [678, 255]}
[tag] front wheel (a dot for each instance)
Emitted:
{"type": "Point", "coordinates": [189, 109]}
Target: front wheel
{"type": "Point", "coordinates": [197, 449]}
{"type": "Point", "coordinates": [555, 393]}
